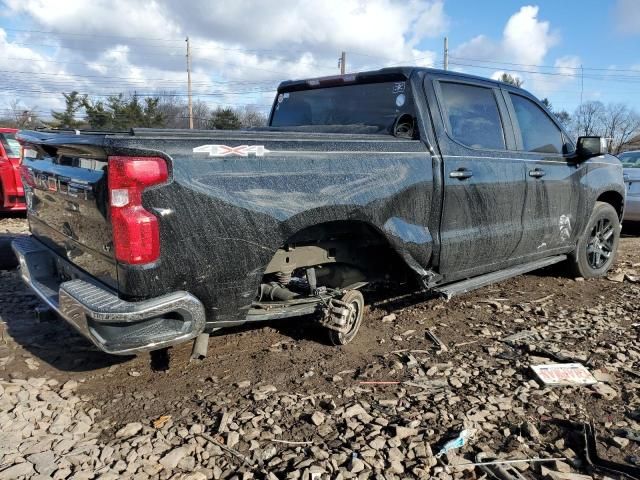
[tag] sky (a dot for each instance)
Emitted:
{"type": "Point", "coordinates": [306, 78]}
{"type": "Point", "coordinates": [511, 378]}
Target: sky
{"type": "Point", "coordinates": [563, 50]}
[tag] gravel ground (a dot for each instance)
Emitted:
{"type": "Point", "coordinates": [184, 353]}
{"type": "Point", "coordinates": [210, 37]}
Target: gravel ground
{"type": "Point", "coordinates": [278, 401]}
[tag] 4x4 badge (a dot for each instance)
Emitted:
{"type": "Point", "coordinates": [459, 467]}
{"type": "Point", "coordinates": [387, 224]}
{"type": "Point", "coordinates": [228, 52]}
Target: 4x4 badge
{"type": "Point", "coordinates": [224, 150]}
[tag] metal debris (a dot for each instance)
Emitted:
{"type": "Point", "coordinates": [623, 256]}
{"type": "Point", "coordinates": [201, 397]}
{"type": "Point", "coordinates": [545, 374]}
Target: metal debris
{"type": "Point", "coordinates": [509, 462]}
{"type": "Point", "coordinates": [200, 347]}
{"type": "Point", "coordinates": [629, 433]}
{"type": "Point", "coordinates": [437, 342]}
{"type": "Point", "coordinates": [460, 441]}
{"type": "Point", "coordinates": [588, 444]}
{"type": "Point", "coordinates": [520, 336]}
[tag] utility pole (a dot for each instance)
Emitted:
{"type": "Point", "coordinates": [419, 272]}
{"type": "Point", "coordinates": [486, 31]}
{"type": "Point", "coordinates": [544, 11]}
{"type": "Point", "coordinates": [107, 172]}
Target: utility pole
{"type": "Point", "coordinates": [342, 62]}
{"type": "Point", "coordinates": [189, 83]}
{"type": "Point", "coordinates": [581, 83]}
{"type": "Point", "coordinates": [446, 54]}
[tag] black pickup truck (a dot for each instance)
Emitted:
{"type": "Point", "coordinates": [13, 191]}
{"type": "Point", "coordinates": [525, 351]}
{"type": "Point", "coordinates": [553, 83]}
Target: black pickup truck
{"type": "Point", "coordinates": [428, 179]}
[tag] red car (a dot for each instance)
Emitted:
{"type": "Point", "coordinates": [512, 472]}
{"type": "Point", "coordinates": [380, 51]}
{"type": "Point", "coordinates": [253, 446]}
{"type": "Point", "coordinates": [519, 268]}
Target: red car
{"type": "Point", "coordinates": [11, 191]}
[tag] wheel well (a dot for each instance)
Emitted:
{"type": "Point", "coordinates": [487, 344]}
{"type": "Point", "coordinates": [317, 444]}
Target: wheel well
{"type": "Point", "coordinates": [614, 199]}
{"type": "Point", "coordinates": [344, 249]}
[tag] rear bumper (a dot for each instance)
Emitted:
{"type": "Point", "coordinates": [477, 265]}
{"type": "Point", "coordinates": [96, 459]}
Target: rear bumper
{"type": "Point", "coordinates": [113, 325]}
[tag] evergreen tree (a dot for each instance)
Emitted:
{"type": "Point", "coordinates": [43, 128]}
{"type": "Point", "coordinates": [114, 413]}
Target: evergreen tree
{"type": "Point", "coordinates": [225, 119]}
{"type": "Point", "coordinates": [511, 80]}
{"type": "Point", "coordinates": [66, 118]}
{"type": "Point", "coordinates": [122, 113]}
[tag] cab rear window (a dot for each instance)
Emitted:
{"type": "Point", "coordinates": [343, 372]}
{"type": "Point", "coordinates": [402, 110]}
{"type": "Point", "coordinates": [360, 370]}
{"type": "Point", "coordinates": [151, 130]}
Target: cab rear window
{"type": "Point", "coordinates": [374, 105]}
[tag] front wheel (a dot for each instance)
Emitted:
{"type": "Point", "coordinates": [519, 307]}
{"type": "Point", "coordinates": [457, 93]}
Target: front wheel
{"type": "Point", "coordinates": [597, 247]}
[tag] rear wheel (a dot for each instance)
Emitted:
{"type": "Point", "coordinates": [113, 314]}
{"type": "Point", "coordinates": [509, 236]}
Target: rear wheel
{"type": "Point", "coordinates": [355, 299]}
{"type": "Point", "coordinates": [597, 247]}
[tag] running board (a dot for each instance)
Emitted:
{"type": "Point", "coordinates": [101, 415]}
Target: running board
{"type": "Point", "coordinates": [470, 284]}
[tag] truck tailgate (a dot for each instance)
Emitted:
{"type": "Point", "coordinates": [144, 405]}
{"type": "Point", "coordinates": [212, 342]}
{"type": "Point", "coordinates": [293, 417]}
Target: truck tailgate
{"type": "Point", "coordinates": [65, 178]}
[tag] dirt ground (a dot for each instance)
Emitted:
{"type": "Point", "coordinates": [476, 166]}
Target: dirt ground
{"type": "Point", "coordinates": [294, 356]}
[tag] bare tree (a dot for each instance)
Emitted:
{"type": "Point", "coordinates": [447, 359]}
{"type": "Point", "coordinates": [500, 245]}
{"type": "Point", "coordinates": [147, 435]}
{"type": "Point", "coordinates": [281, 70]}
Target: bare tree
{"type": "Point", "coordinates": [251, 117]}
{"type": "Point", "coordinates": [201, 115]}
{"type": "Point", "coordinates": [589, 118]}
{"type": "Point", "coordinates": [620, 125]}
{"type": "Point", "coordinates": [22, 116]}
{"type": "Point", "coordinates": [174, 109]}
{"type": "Point", "coordinates": [616, 122]}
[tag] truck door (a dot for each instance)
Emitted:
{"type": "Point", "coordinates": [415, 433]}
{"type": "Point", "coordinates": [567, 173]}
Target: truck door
{"type": "Point", "coordinates": [483, 184]}
{"type": "Point", "coordinates": [553, 178]}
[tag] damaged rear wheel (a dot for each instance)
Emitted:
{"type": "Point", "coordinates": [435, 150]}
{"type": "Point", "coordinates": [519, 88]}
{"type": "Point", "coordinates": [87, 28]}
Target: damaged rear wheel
{"type": "Point", "coordinates": [355, 300]}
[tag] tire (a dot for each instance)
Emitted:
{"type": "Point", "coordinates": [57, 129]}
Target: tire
{"type": "Point", "coordinates": [8, 260]}
{"type": "Point", "coordinates": [597, 246]}
{"type": "Point", "coordinates": [354, 298]}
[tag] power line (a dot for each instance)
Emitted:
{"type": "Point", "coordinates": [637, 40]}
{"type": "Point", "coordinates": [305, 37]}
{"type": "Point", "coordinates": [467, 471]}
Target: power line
{"type": "Point", "coordinates": [581, 83]}
{"type": "Point", "coordinates": [445, 63]}
{"type": "Point", "coordinates": [109, 77]}
{"type": "Point", "coordinates": [170, 53]}
{"type": "Point", "coordinates": [125, 37]}
{"type": "Point", "coordinates": [547, 66]}
{"type": "Point", "coordinates": [189, 82]}
{"type": "Point", "coordinates": [619, 78]}
{"type": "Point", "coordinates": [143, 95]}
{"type": "Point", "coordinates": [89, 35]}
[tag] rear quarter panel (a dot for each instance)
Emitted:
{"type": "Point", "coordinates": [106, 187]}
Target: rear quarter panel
{"type": "Point", "coordinates": [223, 218]}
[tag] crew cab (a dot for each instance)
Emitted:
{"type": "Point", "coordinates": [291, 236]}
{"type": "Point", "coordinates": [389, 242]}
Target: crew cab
{"type": "Point", "coordinates": [411, 177]}
{"type": "Point", "coordinates": [11, 191]}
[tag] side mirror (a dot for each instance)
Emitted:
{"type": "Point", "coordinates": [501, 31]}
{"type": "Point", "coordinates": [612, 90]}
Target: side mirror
{"type": "Point", "coordinates": [588, 147]}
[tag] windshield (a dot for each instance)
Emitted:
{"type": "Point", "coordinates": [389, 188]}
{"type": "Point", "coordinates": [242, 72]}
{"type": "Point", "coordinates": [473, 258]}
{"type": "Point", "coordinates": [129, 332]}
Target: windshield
{"type": "Point", "coordinates": [630, 159]}
{"type": "Point", "coordinates": [10, 144]}
{"type": "Point", "coordinates": [376, 105]}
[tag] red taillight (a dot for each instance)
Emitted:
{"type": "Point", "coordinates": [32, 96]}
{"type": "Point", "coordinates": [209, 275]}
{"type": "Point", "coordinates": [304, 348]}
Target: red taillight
{"type": "Point", "coordinates": [136, 236]}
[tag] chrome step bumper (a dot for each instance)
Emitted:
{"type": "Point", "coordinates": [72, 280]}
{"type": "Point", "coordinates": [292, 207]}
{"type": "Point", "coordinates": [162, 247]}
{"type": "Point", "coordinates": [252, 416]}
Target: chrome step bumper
{"type": "Point", "coordinates": [113, 325]}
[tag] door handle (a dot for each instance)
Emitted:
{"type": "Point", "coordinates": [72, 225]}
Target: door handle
{"type": "Point", "coordinates": [461, 174]}
{"type": "Point", "coordinates": [537, 173]}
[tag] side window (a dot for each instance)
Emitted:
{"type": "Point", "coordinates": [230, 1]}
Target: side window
{"type": "Point", "coordinates": [473, 116]}
{"type": "Point", "coordinates": [539, 133]}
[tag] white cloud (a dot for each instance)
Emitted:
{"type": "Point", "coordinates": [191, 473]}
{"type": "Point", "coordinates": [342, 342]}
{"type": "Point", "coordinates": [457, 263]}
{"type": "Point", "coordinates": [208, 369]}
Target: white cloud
{"type": "Point", "coordinates": [525, 43]}
{"type": "Point", "coordinates": [567, 65]}
{"type": "Point", "coordinates": [525, 39]}
{"type": "Point", "coordinates": [114, 18]}
{"type": "Point", "coordinates": [432, 22]}
{"type": "Point", "coordinates": [626, 16]}
{"type": "Point", "coordinates": [23, 77]}
{"type": "Point", "coordinates": [237, 46]}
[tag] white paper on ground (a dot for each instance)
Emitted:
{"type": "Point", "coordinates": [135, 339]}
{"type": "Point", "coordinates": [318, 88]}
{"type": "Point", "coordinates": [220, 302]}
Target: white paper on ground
{"type": "Point", "coordinates": [564, 374]}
